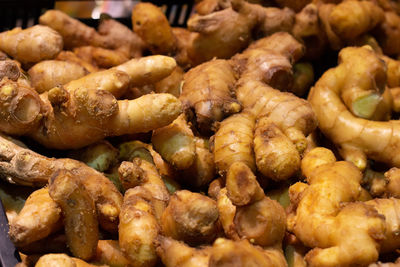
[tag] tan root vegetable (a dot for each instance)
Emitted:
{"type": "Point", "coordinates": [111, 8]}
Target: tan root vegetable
{"type": "Point", "coordinates": [51, 73]}
{"type": "Point", "coordinates": [79, 213]}
{"type": "Point", "coordinates": [39, 217]}
{"type": "Point", "coordinates": [31, 45]}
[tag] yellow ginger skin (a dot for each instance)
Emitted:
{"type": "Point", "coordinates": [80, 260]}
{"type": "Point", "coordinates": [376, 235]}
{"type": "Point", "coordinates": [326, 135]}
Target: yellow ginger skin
{"type": "Point", "coordinates": [325, 210]}
{"type": "Point", "coordinates": [356, 138]}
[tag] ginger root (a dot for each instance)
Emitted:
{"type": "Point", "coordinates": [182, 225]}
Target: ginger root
{"type": "Point", "coordinates": [39, 217]}
{"type": "Point", "coordinates": [324, 212]}
{"type": "Point", "coordinates": [356, 138]}
{"type": "Point", "coordinates": [191, 217]}
{"type": "Point", "coordinates": [31, 45]}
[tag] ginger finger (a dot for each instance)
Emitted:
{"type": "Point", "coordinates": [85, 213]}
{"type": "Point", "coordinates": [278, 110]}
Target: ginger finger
{"type": "Point", "coordinates": [232, 145]}
{"type": "Point", "coordinates": [352, 18]}
{"type": "Point", "coordinates": [78, 208]}
{"type": "Point", "coordinates": [73, 32]}
{"type": "Point", "coordinates": [175, 143]}
{"type": "Point", "coordinates": [135, 72]}
{"type": "Point", "coordinates": [207, 89]}
{"type": "Point", "coordinates": [150, 23]}
{"type": "Point", "coordinates": [357, 137]}
{"type": "Point", "coordinates": [39, 217]}
{"type": "Point", "coordinates": [138, 228]}
{"type": "Point", "coordinates": [25, 167]}
{"type": "Point", "coordinates": [109, 253]}
{"type": "Point", "coordinates": [31, 45]}
{"type": "Point", "coordinates": [191, 217]}
{"type": "Point", "coordinates": [276, 156]}
{"type": "Point", "coordinates": [51, 73]}
{"type": "Point", "coordinates": [241, 185]}
{"type": "Point", "coordinates": [215, 186]}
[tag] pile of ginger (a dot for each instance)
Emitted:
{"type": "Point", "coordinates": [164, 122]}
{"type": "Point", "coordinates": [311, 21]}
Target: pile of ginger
{"type": "Point", "coordinates": [265, 133]}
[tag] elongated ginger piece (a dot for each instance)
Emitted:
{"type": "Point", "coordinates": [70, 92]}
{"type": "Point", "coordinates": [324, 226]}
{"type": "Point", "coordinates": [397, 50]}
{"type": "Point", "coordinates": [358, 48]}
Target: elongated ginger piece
{"type": "Point", "coordinates": [48, 74]}
{"type": "Point", "coordinates": [233, 142]}
{"type": "Point", "coordinates": [357, 139]}
{"type": "Point", "coordinates": [39, 217]}
{"type": "Point", "coordinates": [138, 228]}
{"type": "Point", "coordinates": [143, 173]}
{"type": "Point", "coordinates": [25, 167]}
{"type": "Point", "coordinates": [175, 143]}
{"type": "Point", "coordinates": [150, 23]}
{"type": "Point", "coordinates": [109, 253]}
{"type": "Point", "coordinates": [72, 119]}
{"type": "Point", "coordinates": [191, 217]}
{"type": "Point", "coordinates": [79, 214]}
{"type": "Point", "coordinates": [31, 45]}
{"type": "Point", "coordinates": [73, 32]}
{"type": "Point", "coordinates": [319, 220]}
{"type": "Point", "coordinates": [208, 89]}
{"type": "Point", "coordinates": [352, 18]}
{"type": "Point", "coordinates": [135, 72]}
{"type": "Point", "coordinates": [276, 156]}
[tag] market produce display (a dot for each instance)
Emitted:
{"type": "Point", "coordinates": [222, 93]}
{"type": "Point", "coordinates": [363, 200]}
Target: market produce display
{"type": "Point", "coordinates": [266, 133]}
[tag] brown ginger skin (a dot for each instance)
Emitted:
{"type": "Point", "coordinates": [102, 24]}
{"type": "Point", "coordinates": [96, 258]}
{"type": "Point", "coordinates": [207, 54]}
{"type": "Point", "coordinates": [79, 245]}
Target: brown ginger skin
{"type": "Point", "coordinates": [208, 89]}
{"type": "Point", "coordinates": [138, 228]}
{"type": "Point", "coordinates": [79, 213]}
{"type": "Point", "coordinates": [191, 217]}
{"type": "Point", "coordinates": [39, 217]}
